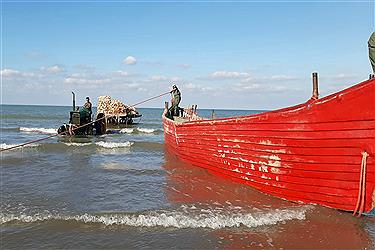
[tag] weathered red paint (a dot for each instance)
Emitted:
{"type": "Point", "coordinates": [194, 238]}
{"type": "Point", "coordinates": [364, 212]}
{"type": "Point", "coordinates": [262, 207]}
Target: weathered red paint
{"type": "Point", "coordinates": [307, 153]}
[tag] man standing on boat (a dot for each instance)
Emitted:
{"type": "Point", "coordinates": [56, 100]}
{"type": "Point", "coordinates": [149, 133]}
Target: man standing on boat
{"type": "Point", "coordinates": [371, 50]}
{"type": "Point", "coordinates": [88, 105]}
{"type": "Point", "coordinates": [86, 111]}
{"type": "Point", "coordinates": [176, 99]}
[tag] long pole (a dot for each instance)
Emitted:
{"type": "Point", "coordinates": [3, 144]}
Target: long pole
{"type": "Point", "coordinates": [315, 94]}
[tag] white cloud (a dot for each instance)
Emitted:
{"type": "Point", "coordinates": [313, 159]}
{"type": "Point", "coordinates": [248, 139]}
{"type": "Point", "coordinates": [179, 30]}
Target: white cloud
{"type": "Point", "coordinates": [125, 86]}
{"type": "Point", "coordinates": [342, 77]}
{"type": "Point", "coordinates": [334, 88]}
{"type": "Point", "coordinates": [175, 79]}
{"type": "Point", "coordinates": [159, 78]}
{"type": "Point", "coordinates": [191, 86]}
{"type": "Point", "coordinates": [221, 75]}
{"type": "Point", "coordinates": [249, 79]}
{"type": "Point", "coordinates": [121, 73]}
{"type": "Point", "coordinates": [140, 89]}
{"type": "Point", "coordinates": [85, 81]}
{"type": "Point", "coordinates": [269, 78]}
{"type": "Point", "coordinates": [53, 69]}
{"type": "Point", "coordinates": [195, 87]}
{"type": "Point", "coordinates": [86, 68]}
{"type": "Point", "coordinates": [252, 87]}
{"type": "Point", "coordinates": [11, 73]}
{"type": "Point", "coordinates": [283, 78]}
{"type": "Point", "coordinates": [229, 74]}
{"type": "Point", "coordinates": [79, 75]}
{"type": "Point", "coordinates": [130, 60]}
{"type": "Point", "coordinates": [258, 88]}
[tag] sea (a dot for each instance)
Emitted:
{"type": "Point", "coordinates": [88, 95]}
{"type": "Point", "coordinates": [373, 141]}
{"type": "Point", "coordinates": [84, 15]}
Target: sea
{"type": "Point", "coordinates": [126, 191]}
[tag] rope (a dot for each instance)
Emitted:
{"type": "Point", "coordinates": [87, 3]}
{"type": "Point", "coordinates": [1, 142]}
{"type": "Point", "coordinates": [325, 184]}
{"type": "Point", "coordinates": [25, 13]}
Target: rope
{"type": "Point", "coordinates": [53, 135]}
{"type": "Point", "coordinates": [72, 130]}
{"type": "Point", "coordinates": [362, 186]}
{"type": "Point", "coordinates": [150, 99]}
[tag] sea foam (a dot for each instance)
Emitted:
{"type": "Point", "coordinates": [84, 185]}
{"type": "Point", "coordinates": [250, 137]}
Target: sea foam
{"type": "Point", "coordinates": [138, 130]}
{"type": "Point", "coordinates": [114, 144]}
{"type": "Point", "coordinates": [176, 219]}
{"type": "Point", "coordinates": [76, 144]}
{"type": "Point", "coordinates": [127, 130]}
{"type": "Point", "coordinates": [39, 130]}
{"type": "Point", "coordinates": [146, 130]}
{"type": "Point", "coordinates": [6, 146]}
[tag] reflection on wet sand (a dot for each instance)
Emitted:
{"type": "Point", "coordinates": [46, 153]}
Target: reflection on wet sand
{"type": "Point", "coordinates": [267, 222]}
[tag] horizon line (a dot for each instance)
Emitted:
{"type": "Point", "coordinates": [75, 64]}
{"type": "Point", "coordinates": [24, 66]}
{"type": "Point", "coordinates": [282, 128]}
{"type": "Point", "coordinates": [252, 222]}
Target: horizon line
{"type": "Point", "coordinates": [49, 105]}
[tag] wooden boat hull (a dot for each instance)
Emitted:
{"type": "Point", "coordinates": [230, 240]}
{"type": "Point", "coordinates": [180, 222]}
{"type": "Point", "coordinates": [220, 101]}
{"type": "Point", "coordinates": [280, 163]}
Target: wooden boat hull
{"type": "Point", "coordinates": [311, 153]}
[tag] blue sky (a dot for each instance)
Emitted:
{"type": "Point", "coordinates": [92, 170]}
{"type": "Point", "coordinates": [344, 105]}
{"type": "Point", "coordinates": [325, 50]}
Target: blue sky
{"type": "Point", "coordinates": [233, 55]}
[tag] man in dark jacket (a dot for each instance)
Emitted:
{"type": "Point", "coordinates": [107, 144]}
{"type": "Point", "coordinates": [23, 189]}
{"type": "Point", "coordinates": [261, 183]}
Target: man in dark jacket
{"type": "Point", "coordinates": [371, 50]}
{"type": "Point", "coordinates": [88, 105]}
{"type": "Point", "coordinates": [176, 99]}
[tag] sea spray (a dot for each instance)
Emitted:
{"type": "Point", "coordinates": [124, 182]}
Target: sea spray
{"type": "Point", "coordinates": [6, 146]}
{"type": "Point", "coordinates": [114, 144]}
{"type": "Point", "coordinates": [39, 130]}
{"type": "Point", "coordinates": [175, 219]}
{"type": "Point", "coordinates": [139, 130]}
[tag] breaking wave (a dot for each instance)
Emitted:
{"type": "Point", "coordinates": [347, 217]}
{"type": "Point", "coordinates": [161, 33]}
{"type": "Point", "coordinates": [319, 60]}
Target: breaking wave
{"type": "Point", "coordinates": [76, 144]}
{"type": "Point", "coordinates": [176, 219]}
{"type": "Point", "coordinates": [127, 130]}
{"type": "Point", "coordinates": [139, 130]}
{"type": "Point", "coordinates": [10, 129]}
{"type": "Point", "coordinates": [114, 144]}
{"type": "Point", "coordinates": [147, 130]}
{"type": "Point", "coordinates": [6, 146]}
{"type": "Point", "coordinates": [39, 130]}
{"type": "Point", "coordinates": [122, 131]}
{"type": "Point", "coordinates": [64, 145]}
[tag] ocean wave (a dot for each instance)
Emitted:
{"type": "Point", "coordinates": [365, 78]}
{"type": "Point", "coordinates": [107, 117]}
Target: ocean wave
{"type": "Point", "coordinates": [76, 144]}
{"type": "Point", "coordinates": [114, 144]}
{"type": "Point", "coordinates": [6, 146]}
{"type": "Point", "coordinates": [139, 130]}
{"type": "Point", "coordinates": [64, 145]}
{"type": "Point", "coordinates": [28, 116]}
{"type": "Point", "coordinates": [175, 219]}
{"type": "Point", "coordinates": [143, 145]}
{"type": "Point", "coordinates": [150, 146]}
{"type": "Point", "coordinates": [39, 130]}
{"type": "Point", "coordinates": [10, 129]}
{"type": "Point", "coordinates": [127, 130]}
{"type": "Point", "coordinates": [147, 130]}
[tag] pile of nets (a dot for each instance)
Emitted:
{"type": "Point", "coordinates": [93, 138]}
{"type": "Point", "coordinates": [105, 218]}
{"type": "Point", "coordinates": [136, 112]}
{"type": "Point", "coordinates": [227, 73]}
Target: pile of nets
{"type": "Point", "coordinates": [110, 106]}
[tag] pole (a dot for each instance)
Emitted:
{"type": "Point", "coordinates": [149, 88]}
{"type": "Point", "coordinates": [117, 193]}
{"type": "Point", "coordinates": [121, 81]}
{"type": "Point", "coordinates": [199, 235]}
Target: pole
{"type": "Point", "coordinates": [315, 94]}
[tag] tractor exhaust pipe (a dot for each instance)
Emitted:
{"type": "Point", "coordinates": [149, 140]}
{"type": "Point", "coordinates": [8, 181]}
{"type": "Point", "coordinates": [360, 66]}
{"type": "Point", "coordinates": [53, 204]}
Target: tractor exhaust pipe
{"type": "Point", "coordinates": [74, 101]}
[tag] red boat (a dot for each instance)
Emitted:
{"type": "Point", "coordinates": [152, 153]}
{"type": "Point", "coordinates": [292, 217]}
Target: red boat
{"type": "Point", "coordinates": [319, 152]}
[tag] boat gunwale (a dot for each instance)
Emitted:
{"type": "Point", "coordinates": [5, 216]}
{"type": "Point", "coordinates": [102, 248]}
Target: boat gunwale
{"type": "Point", "coordinates": [281, 111]}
